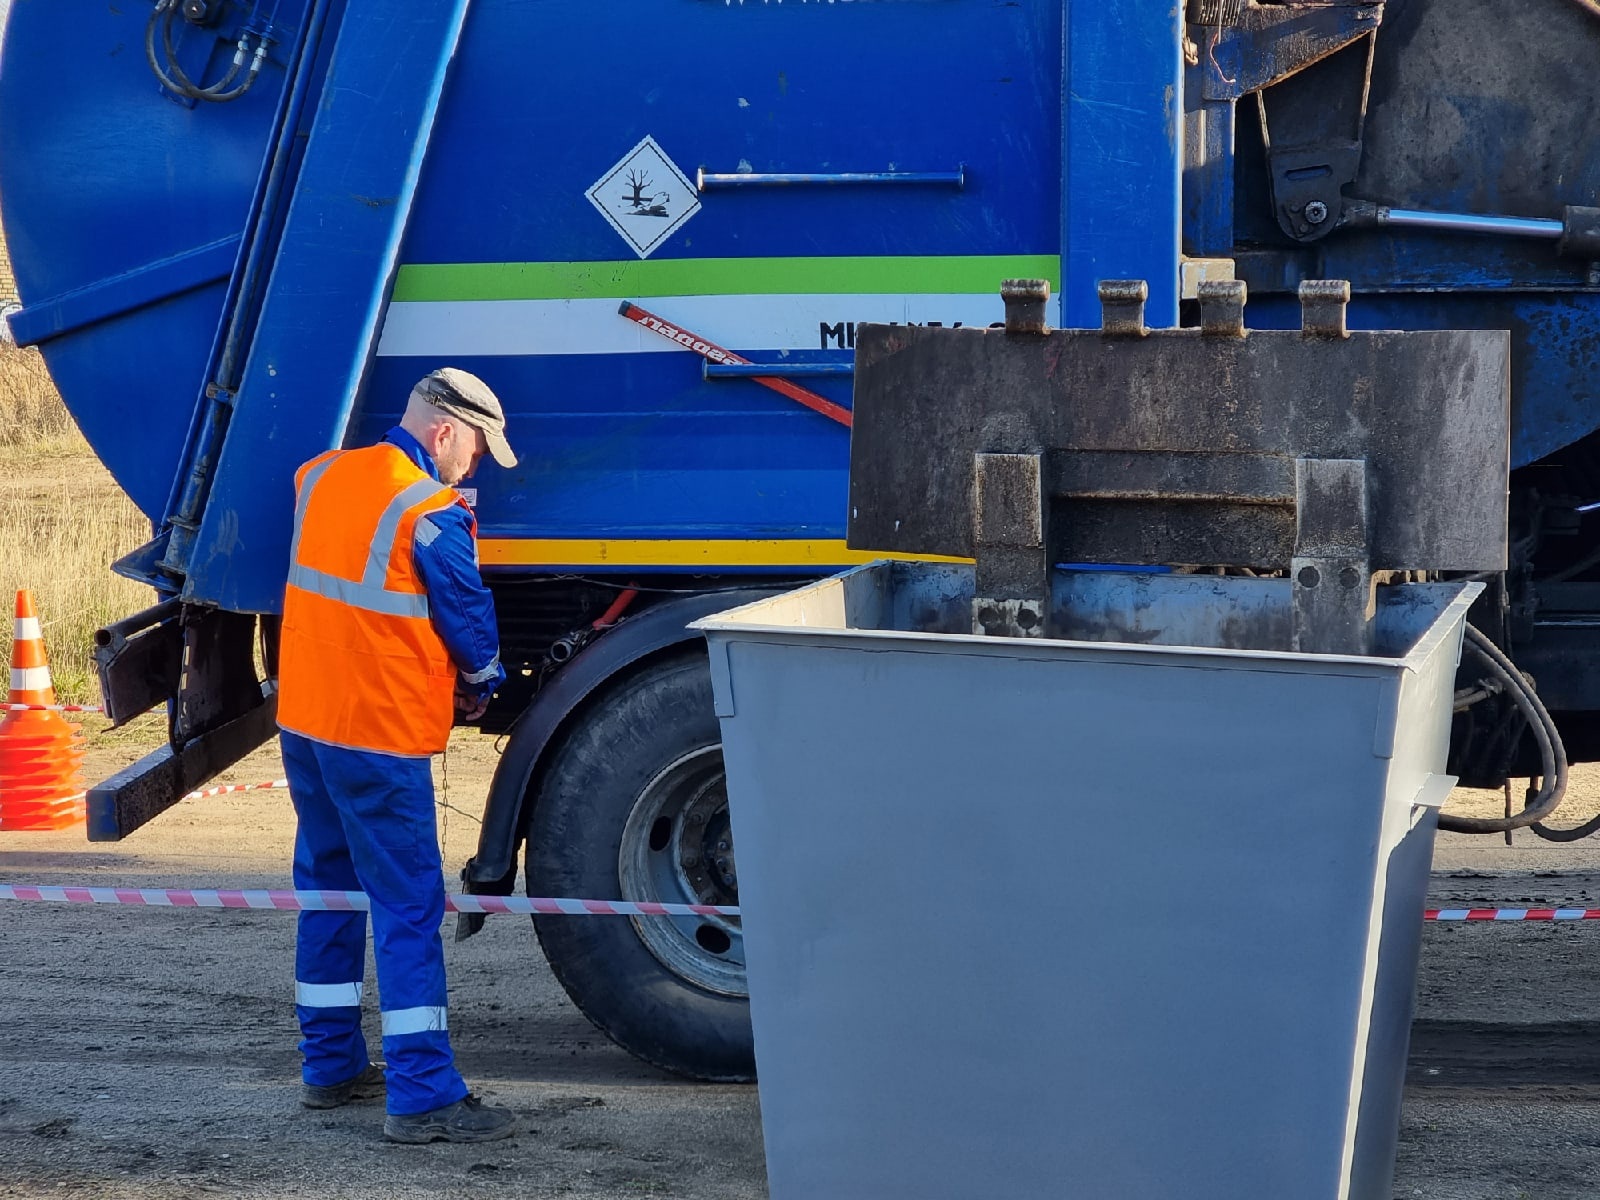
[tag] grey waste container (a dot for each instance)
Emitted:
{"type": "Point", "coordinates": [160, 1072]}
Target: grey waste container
{"type": "Point", "coordinates": [1132, 915]}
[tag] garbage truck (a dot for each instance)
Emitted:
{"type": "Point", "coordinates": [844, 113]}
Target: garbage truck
{"type": "Point", "coordinates": [242, 229]}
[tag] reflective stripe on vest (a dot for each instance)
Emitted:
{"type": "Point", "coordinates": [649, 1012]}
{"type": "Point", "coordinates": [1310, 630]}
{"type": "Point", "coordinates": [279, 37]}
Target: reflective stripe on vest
{"type": "Point", "coordinates": [378, 600]}
{"type": "Point", "coordinates": [369, 593]}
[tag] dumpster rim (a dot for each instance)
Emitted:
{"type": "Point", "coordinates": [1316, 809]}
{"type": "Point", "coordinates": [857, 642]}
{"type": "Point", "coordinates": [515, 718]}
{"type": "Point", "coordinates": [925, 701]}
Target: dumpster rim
{"type": "Point", "coordinates": [728, 623]}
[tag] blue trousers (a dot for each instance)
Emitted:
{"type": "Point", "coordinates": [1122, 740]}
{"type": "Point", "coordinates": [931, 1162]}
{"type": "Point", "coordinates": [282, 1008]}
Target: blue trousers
{"type": "Point", "coordinates": [366, 823]}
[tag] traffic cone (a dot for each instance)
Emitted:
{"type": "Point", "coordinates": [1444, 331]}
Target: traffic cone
{"type": "Point", "coordinates": [41, 753]}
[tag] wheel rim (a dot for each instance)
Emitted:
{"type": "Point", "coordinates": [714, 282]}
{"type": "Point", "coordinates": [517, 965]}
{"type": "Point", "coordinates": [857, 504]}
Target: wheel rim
{"type": "Point", "coordinates": [677, 848]}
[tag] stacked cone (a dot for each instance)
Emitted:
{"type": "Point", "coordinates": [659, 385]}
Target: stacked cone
{"type": "Point", "coordinates": [41, 753]}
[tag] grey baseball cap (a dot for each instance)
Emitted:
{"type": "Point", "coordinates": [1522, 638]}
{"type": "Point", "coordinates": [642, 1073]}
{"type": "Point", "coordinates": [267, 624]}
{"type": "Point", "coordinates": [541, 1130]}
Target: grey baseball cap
{"type": "Point", "coordinates": [462, 394]}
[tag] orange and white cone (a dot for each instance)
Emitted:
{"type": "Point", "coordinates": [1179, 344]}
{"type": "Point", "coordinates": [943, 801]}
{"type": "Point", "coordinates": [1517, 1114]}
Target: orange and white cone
{"type": "Point", "coordinates": [41, 754]}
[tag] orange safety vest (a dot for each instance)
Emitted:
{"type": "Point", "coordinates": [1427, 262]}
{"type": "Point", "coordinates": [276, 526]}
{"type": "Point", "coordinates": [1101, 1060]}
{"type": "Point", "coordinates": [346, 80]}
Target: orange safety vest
{"type": "Point", "coordinates": [360, 664]}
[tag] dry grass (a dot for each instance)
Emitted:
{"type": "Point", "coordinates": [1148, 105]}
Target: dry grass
{"type": "Point", "coordinates": [31, 413]}
{"type": "Point", "coordinates": [62, 521]}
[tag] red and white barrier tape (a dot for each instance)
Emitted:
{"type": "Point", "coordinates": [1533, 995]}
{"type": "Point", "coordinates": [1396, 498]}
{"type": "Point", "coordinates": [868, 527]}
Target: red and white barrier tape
{"type": "Point", "coordinates": [1512, 914]}
{"type": "Point", "coordinates": [324, 901]}
{"type": "Point", "coordinates": [225, 790]}
{"type": "Point", "coordinates": [229, 789]}
{"type": "Point", "coordinates": [77, 708]}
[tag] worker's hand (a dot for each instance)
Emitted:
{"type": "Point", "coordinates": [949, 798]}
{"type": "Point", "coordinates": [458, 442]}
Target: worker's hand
{"type": "Point", "coordinates": [470, 708]}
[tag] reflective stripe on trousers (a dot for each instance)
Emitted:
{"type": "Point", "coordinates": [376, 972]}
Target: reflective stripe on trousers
{"type": "Point", "coordinates": [402, 1021]}
{"type": "Point", "coordinates": [327, 995]}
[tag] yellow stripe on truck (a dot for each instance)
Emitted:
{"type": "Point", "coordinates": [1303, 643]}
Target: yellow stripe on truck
{"type": "Point", "coordinates": [675, 552]}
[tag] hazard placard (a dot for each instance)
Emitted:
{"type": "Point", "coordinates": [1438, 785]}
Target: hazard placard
{"type": "Point", "coordinates": [645, 197]}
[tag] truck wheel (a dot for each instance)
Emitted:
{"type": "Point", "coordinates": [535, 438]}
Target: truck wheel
{"type": "Point", "coordinates": [631, 804]}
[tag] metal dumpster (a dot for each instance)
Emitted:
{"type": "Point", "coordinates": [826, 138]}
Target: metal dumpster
{"type": "Point", "coordinates": [1131, 912]}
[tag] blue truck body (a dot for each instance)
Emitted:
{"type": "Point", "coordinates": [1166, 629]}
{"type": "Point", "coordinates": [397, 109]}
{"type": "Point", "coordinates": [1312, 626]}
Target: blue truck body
{"type": "Point", "coordinates": [507, 269]}
{"type": "Point", "coordinates": [224, 286]}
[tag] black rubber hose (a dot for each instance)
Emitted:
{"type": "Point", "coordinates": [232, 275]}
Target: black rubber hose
{"type": "Point", "coordinates": [1574, 834]}
{"type": "Point", "coordinates": [178, 81]}
{"type": "Point", "coordinates": [215, 93]}
{"type": "Point", "coordinates": [1552, 754]}
{"type": "Point", "coordinates": [167, 81]}
{"type": "Point", "coordinates": [190, 87]}
{"type": "Point", "coordinates": [249, 81]}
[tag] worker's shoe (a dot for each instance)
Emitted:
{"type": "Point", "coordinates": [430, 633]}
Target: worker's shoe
{"type": "Point", "coordinates": [467, 1120]}
{"type": "Point", "coordinates": [366, 1086]}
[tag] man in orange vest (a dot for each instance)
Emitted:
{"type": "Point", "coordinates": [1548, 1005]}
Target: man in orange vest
{"type": "Point", "coordinates": [388, 634]}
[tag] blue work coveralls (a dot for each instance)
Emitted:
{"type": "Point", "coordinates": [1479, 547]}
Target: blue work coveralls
{"type": "Point", "coordinates": [367, 823]}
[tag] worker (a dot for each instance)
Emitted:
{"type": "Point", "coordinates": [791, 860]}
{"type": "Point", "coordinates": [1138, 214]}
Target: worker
{"type": "Point", "coordinates": [388, 633]}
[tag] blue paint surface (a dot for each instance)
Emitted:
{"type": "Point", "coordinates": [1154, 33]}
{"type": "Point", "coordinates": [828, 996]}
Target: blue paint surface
{"type": "Point", "coordinates": [765, 88]}
{"type": "Point", "coordinates": [641, 447]}
{"type": "Point", "coordinates": [1122, 168]}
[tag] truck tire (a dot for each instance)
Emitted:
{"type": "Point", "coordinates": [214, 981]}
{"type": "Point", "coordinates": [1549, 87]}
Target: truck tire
{"type": "Point", "coordinates": [631, 804]}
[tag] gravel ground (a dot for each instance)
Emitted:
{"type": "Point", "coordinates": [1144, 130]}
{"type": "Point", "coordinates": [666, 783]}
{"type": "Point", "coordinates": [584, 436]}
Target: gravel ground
{"type": "Point", "coordinates": [151, 1054]}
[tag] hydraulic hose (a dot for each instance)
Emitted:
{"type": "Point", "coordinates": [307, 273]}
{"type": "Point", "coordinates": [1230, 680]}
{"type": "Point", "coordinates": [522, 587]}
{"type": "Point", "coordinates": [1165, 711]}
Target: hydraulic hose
{"type": "Point", "coordinates": [1552, 754]}
{"type": "Point", "coordinates": [1577, 832]}
{"type": "Point", "coordinates": [156, 13]}
{"type": "Point", "coordinates": [177, 81]}
{"type": "Point", "coordinates": [190, 87]}
{"type": "Point", "coordinates": [219, 92]}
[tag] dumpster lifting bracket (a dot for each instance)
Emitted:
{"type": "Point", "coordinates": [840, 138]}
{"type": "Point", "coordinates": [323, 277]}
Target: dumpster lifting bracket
{"type": "Point", "coordinates": [1338, 458]}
